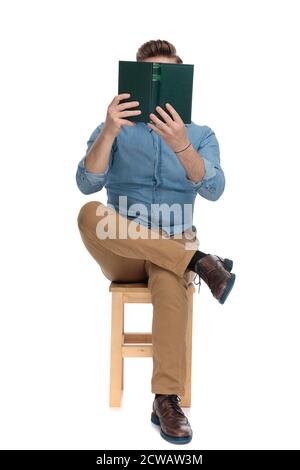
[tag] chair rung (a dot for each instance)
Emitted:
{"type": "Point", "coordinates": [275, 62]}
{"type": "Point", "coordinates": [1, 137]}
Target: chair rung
{"type": "Point", "coordinates": [137, 338]}
{"type": "Point", "coordinates": [137, 350]}
{"type": "Point", "coordinates": [137, 298]}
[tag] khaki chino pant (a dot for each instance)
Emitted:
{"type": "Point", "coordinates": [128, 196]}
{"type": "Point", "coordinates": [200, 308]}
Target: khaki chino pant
{"type": "Point", "coordinates": [154, 257]}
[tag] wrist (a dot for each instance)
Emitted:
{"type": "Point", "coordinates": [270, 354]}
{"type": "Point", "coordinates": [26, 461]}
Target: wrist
{"type": "Point", "coordinates": [183, 148]}
{"type": "Point", "coordinates": [108, 135]}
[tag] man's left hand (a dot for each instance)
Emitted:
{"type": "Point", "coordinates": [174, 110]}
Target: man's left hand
{"type": "Point", "coordinates": [172, 131]}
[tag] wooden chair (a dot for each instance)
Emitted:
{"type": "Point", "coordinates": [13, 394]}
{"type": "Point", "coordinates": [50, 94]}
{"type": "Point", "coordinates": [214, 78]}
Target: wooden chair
{"type": "Point", "coordinates": [125, 344]}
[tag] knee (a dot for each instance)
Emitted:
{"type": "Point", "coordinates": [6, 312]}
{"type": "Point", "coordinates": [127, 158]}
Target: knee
{"type": "Point", "coordinates": [87, 213]}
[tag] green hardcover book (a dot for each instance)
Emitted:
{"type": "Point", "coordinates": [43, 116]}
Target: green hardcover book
{"type": "Point", "coordinates": [155, 84]}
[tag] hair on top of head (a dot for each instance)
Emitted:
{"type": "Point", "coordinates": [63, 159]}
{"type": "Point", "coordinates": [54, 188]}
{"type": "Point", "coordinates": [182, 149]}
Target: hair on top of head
{"type": "Point", "coordinates": [155, 48]}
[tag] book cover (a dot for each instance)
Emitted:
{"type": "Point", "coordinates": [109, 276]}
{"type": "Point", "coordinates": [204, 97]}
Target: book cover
{"type": "Point", "coordinates": [155, 84]}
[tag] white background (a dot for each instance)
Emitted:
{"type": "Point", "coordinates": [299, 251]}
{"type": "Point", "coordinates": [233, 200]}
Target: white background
{"type": "Point", "coordinates": [59, 62]}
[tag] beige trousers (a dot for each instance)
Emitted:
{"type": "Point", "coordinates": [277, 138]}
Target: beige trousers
{"type": "Point", "coordinates": [135, 253]}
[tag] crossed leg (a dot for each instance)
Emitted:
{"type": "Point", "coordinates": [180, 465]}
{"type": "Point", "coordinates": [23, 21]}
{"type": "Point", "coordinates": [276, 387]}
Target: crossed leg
{"type": "Point", "coordinates": [162, 263]}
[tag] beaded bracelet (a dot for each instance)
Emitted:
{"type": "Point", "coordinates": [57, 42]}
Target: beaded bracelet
{"type": "Point", "coordinates": [183, 149]}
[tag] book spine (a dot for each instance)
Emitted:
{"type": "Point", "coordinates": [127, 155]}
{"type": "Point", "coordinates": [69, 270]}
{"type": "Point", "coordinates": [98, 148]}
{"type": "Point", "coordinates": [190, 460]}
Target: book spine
{"type": "Point", "coordinates": [156, 77]}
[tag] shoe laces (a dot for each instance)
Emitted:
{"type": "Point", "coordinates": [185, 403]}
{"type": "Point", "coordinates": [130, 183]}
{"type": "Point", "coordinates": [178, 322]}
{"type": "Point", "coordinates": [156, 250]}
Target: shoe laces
{"type": "Point", "coordinates": [173, 402]}
{"type": "Point", "coordinates": [197, 283]}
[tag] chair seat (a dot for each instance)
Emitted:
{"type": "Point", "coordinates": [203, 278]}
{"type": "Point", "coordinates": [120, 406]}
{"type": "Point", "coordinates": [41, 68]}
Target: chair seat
{"type": "Point", "coordinates": [128, 287]}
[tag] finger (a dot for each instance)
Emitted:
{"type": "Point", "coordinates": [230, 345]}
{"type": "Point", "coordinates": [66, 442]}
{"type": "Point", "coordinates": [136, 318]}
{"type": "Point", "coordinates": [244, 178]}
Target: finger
{"type": "Point", "coordinates": [160, 124]}
{"type": "Point", "coordinates": [126, 121]}
{"type": "Point", "coordinates": [130, 113]}
{"type": "Point", "coordinates": [165, 115]}
{"type": "Point", "coordinates": [120, 97]}
{"type": "Point", "coordinates": [174, 113]}
{"type": "Point", "coordinates": [156, 129]}
{"type": "Point", "coordinates": [128, 104]}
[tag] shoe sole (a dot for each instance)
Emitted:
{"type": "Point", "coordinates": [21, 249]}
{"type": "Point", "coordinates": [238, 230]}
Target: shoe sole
{"type": "Point", "coordinates": [228, 264]}
{"type": "Point", "coordinates": [228, 289]}
{"type": "Point", "coordinates": [172, 439]}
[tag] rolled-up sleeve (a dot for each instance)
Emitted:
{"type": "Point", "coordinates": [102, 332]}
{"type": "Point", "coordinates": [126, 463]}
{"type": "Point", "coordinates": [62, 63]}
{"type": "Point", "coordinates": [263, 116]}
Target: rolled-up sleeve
{"type": "Point", "coordinates": [87, 181]}
{"type": "Point", "coordinates": [213, 183]}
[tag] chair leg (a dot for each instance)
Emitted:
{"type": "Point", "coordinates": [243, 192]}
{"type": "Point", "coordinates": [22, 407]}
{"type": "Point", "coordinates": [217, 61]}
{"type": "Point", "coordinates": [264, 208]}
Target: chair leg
{"type": "Point", "coordinates": [186, 399]}
{"type": "Point", "coordinates": [116, 359]}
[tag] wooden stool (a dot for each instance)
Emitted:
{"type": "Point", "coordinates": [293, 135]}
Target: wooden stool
{"type": "Point", "coordinates": [138, 344]}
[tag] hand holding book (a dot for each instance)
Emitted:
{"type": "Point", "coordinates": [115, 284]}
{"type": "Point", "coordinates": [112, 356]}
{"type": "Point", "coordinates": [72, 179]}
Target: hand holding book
{"type": "Point", "coordinates": [172, 131]}
{"type": "Point", "coordinates": [117, 112]}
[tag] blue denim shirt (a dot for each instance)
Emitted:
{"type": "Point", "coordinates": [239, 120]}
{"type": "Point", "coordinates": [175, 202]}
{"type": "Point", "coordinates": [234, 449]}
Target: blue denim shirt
{"type": "Point", "coordinates": [148, 174]}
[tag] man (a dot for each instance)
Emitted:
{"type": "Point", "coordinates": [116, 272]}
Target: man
{"type": "Point", "coordinates": [144, 166]}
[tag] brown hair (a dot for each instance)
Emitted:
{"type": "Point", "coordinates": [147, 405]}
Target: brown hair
{"type": "Point", "coordinates": [157, 48]}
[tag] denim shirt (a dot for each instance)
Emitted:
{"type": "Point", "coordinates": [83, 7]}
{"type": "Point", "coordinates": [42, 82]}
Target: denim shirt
{"type": "Point", "coordinates": [149, 175]}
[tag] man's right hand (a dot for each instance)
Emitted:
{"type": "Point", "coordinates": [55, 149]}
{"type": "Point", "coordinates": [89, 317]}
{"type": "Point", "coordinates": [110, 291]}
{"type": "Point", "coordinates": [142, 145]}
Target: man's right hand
{"type": "Point", "coordinates": [116, 114]}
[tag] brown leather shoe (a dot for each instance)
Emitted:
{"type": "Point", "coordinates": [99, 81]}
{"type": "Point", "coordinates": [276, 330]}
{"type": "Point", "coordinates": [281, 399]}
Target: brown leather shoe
{"type": "Point", "coordinates": [174, 425]}
{"type": "Point", "coordinates": [211, 269]}
{"type": "Point", "coordinates": [227, 263]}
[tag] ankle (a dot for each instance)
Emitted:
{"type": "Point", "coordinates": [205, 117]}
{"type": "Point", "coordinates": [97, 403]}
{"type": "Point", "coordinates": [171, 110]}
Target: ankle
{"type": "Point", "coordinates": [198, 255]}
